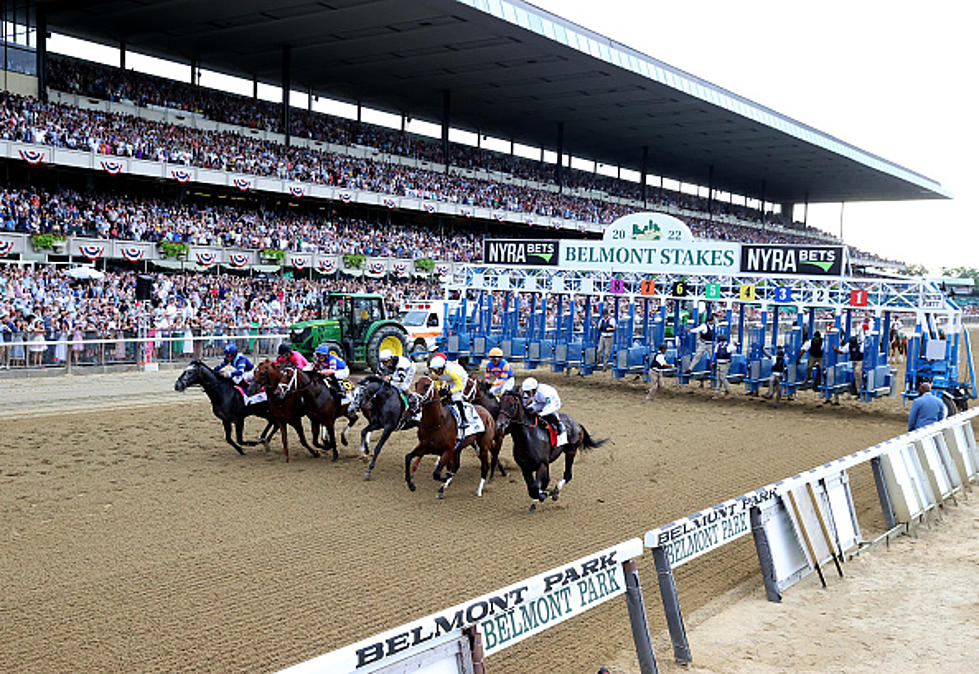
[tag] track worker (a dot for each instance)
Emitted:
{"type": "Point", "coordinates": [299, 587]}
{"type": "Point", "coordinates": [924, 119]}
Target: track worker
{"type": "Point", "coordinates": [499, 374]}
{"type": "Point", "coordinates": [706, 334]}
{"type": "Point", "coordinates": [606, 337]}
{"type": "Point", "coordinates": [656, 368]}
{"type": "Point", "coordinates": [543, 401]}
{"type": "Point", "coordinates": [289, 355]}
{"type": "Point", "coordinates": [722, 365]}
{"type": "Point", "coordinates": [926, 409]}
{"type": "Point", "coordinates": [455, 377]}
{"type": "Point", "coordinates": [778, 373]}
{"type": "Point", "coordinates": [397, 370]}
{"type": "Point", "coordinates": [854, 351]}
{"type": "Point", "coordinates": [814, 347]}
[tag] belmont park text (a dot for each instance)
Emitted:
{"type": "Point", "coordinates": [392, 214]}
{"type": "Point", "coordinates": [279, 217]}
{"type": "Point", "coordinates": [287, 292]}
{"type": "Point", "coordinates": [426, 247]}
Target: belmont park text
{"type": "Point", "coordinates": [721, 258]}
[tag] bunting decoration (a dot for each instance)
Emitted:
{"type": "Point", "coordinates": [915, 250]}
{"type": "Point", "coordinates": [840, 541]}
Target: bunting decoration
{"type": "Point", "coordinates": [238, 260]}
{"type": "Point", "coordinates": [327, 265]}
{"type": "Point", "coordinates": [206, 257]}
{"type": "Point", "coordinates": [113, 168]}
{"type": "Point", "coordinates": [6, 247]}
{"type": "Point", "coordinates": [390, 203]}
{"type": "Point", "coordinates": [93, 253]}
{"type": "Point", "coordinates": [401, 268]}
{"type": "Point", "coordinates": [243, 184]}
{"type": "Point", "coordinates": [298, 262]}
{"type": "Point", "coordinates": [297, 190]}
{"type": "Point", "coordinates": [429, 208]}
{"type": "Point", "coordinates": [498, 216]}
{"type": "Point", "coordinates": [467, 212]}
{"type": "Point", "coordinates": [442, 269]}
{"type": "Point", "coordinates": [132, 253]}
{"type": "Point", "coordinates": [180, 175]}
{"type": "Point", "coordinates": [376, 266]}
{"type": "Point", "coordinates": [32, 157]}
{"type": "Point", "coordinates": [345, 197]}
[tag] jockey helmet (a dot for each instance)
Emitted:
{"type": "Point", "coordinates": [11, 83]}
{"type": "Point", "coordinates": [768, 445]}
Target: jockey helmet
{"type": "Point", "coordinates": [437, 363]}
{"type": "Point", "coordinates": [322, 350]}
{"type": "Point", "coordinates": [230, 351]}
{"type": "Point", "coordinates": [284, 349]}
{"type": "Point", "coordinates": [529, 385]}
{"type": "Point", "coordinates": [495, 352]}
{"type": "Point", "coordinates": [385, 355]}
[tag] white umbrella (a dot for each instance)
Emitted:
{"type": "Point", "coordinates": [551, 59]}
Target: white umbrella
{"type": "Point", "coordinates": [86, 273]}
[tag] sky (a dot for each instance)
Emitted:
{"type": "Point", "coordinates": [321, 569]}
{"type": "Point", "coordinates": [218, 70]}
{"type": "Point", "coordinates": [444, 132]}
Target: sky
{"type": "Point", "coordinates": [893, 78]}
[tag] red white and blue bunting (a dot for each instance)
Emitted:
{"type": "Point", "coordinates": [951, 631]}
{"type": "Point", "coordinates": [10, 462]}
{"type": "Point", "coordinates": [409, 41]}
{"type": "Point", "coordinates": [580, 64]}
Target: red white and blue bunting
{"type": "Point", "coordinates": [238, 260]}
{"type": "Point", "coordinates": [466, 212]}
{"type": "Point", "coordinates": [401, 268]}
{"type": "Point", "coordinates": [32, 157]}
{"type": "Point", "coordinates": [243, 184]}
{"type": "Point", "coordinates": [6, 247]}
{"type": "Point", "coordinates": [345, 197]}
{"type": "Point", "coordinates": [442, 269]}
{"type": "Point", "coordinates": [529, 221]}
{"type": "Point", "coordinates": [327, 265]}
{"type": "Point", "coordinates": [498, 216]}
{"type": "Point", "coordinates": [206, 257]}
{"type": "Point", "coordinates": [111, 167]}
{"type": "Point", "coordinates": [93, 253]}
{"type": "Point", "coordinates": [377, 266]}
{"type": "Point", "coordinates": [297, 191]}
{"type": "Point", "coordinates": [429, 208]}
{"type": "Point", "coordinates": [132, 254]}
{"type": "Point", "coordinates": [180, 175]}
{"type": "Point", "coordinates": [299, 262]}
{"type": "Point", "coordinates": [390, 203]}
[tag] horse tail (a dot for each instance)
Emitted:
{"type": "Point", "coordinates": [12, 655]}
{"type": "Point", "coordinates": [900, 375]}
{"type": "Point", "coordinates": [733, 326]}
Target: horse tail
{"type": "Point", "coordinates": [587, 441]}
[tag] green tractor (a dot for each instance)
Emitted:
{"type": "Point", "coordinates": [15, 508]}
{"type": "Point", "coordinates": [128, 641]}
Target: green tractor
{"type": "Point", "coordinates": [357, 324]}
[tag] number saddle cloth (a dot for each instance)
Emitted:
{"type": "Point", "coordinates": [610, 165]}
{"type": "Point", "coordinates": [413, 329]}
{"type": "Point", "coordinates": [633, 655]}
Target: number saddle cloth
{"type": "Point", "coordinates": [474, 424]}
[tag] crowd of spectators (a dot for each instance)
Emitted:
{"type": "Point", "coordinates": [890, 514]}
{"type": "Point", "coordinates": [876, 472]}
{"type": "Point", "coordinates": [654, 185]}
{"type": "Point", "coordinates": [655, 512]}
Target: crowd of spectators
{"type": "Point", "coordinates": [45, 304]}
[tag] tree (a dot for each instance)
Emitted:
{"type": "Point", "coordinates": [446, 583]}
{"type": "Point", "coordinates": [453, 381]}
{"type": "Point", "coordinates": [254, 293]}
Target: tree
{"type": "Point", "coordinates": [964, 272]}
{"type": "Point", "coordinates": [916, 270]}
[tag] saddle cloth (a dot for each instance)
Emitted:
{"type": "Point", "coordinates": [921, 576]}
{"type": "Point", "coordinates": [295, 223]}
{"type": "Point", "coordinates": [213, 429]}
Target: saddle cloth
{"type": "Point", "coordinates": [259, 397]}
{"type": "Point", "coordinates": [474, 424]}
{"type": "Point", "coordinates": [556, 440]}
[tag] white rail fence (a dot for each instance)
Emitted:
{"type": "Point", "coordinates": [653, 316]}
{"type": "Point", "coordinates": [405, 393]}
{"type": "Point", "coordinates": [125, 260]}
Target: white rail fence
{"type": "Point", "coordinates": [800, 525]}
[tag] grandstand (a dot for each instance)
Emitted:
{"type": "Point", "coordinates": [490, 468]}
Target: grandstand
{"type": "Point", "coordinates": [84, 142]}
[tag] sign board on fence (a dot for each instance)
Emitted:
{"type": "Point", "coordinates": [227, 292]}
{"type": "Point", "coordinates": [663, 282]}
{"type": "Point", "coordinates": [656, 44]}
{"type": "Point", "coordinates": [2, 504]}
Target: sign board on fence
{"type": "Point", "coordinates": [504, 617]}
{"type": "Point", "coordinates": [910, 492]}
{"type": "Point", "coordinates": [698, 534]}
{"type": "Point", "coordinates": [962, 454]}
{"type": "Point", "coordinates": [838, 500]}
{"type": "Point", "coordinates": [788, 558]}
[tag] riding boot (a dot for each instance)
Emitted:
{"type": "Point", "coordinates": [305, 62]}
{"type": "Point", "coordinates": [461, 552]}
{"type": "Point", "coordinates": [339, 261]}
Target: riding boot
{"type": "Point", "coordinates": [462, 414]}
{"type": "Point", "coordinates": [555, 421]}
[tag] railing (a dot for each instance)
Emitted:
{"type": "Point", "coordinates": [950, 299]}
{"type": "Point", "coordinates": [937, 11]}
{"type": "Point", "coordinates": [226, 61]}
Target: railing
{"type": "Point", "coordinates": [127, 347]}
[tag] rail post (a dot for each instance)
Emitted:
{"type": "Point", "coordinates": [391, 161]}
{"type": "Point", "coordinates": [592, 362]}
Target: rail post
{"type": "Point", "coordinates": [764, 551]}
{"type": "Point", "coordinates": [671, 605]}
{"type": "Point", "coordinates": [637, 618]}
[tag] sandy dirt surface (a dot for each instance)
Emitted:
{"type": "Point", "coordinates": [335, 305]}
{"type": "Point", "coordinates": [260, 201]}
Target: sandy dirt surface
{"type": "Point", "coordinates": [133, 539]}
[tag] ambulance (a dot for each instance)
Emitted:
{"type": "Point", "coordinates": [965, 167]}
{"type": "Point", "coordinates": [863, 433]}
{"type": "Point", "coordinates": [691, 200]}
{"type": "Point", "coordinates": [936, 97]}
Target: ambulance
{"type": "Point", "coordinates": [424, 320]}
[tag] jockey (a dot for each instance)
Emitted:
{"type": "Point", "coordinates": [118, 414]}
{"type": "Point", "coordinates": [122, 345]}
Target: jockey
{"type": "Point", "coordinates": [455, 377]}
{"type": "Point", "coordinates": [397, 370]}
{"type": "Point", "coordinates": [328, 364]}
{"type": "Point", "coordinates": [544, 401]}
{"type": "Point", "coordinates": [499, 374]}
{"type": "Point", "coordinates": [289, 355]}
{"type": "Point", "coordinates": [235, 365]}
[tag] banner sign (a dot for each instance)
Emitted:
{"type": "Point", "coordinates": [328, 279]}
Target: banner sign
{"type": "Point", "coordinates": [504, 617]}
{"type": "Point", "coordinates": [520, 252]}
{"type": "Point", "coordinates": [707, 530]}
{"type": "Point", "coordinates": [794, 260]}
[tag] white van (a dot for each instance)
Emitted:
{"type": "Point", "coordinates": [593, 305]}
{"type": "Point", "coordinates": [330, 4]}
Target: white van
{"type": "Point", "coordinates": [424, 321]}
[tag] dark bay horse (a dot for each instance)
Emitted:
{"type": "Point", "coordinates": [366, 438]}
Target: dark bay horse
{"type": "Point", "coordinates": [285, 407]}
{"type": "Point", "coordinates": [227, 403]}
{"type": "Point", "coordinates": [437, 434]}
{"type": "Point", "coordinates": [532, 448]}
{"type": "Point", "coordinates": [384, 407]}
{"type": "Point", "coordinates": [319, 403]}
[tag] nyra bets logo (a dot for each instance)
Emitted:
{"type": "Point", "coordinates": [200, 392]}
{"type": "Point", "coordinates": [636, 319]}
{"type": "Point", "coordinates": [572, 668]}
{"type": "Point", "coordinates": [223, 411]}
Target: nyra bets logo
{"type": "Point", "coordinates": [792, 260]}
{"type": "Point", "coordinates": [520, 252]}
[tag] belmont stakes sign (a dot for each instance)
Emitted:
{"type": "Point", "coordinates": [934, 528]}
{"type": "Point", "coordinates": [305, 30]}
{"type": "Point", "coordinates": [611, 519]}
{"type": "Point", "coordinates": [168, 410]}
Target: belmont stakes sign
{"type": "Point", "coordinates": [504, 617]}
{"type": "Point", "coordinates": [659, 243]}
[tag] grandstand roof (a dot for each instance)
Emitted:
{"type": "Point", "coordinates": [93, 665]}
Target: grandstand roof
{"type": "Point", "coordinates": [513, 70]}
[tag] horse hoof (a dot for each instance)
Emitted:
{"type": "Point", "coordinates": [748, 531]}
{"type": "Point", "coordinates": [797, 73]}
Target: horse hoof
{"type": "Point", "coordinates": [554, 496]}
{"type": "Point", "coordinates": [335, 456]}
{"type": "Point", "coordinates": [440, 494]}
{"type": "Point", "coordinates": [411, 486]}
{"type": "Point", "coordinates": [533, 508]}
{"type": "Point", "coordinates": [367, 477]}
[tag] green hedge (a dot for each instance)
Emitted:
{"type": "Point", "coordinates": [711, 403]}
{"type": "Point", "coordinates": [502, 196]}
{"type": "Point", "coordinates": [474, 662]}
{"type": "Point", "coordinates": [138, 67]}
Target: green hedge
{"type": "Point", "coordinates": [174, 249]}
{"type": "Point", "coordinates": [353, 261]}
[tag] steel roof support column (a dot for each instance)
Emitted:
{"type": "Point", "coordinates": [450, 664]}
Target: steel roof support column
{"type": "Point", "coordinates": [286, 88]}
{"type": "Point", "coordinates": [787, 208]}
{"type": "Point", "coordinates": [805, 211]}
{"type": "Point", "coordinates": [122, 56]}
{"type": "Point", "coordinates": [446, 110]}
{"type": "Point", "coordinates": [255, 86]}
{"type": "Point", "coordinates": [41, 50]}
{"type": "Point", "coordinates": [710, 192]}
{"type": "Point", "coordinates": [642, 178]}
{"type": "Point", "coordinates": [309, 99]}
{"type": "Point", "coordinates": [764, 185]}
{"type": "Point", "coordinates": [193, 72]}
{"type": "Point", "coordinates": [560, 157]}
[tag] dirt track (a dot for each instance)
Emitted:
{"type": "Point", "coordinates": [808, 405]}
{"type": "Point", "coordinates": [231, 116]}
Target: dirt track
{"type": "Point", "coordinates": [136, 540]}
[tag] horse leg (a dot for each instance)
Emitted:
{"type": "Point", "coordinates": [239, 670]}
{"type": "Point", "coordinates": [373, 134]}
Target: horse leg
{"type": "Point", "coordinates": [298, 425]}
{"type": "Point", "coordinates": [284, 432]}
{"type": "Point", "coordinates": [227, 437]}
{"type": "Point", "coordinates": [365, 439]}
{"type": "Point", "coordinates": [543, 478]}
{"type": "Point", "coordinates": [315, 426]}
{"type": "Point", "coordinates": [268, 433]}
{"type": "Point", "coordinates": [377, 450]}
{"type": "Point", "coordinates": [351, 420]}
{"type": "Point", "coordinates": [411, 466]}
{"type": "Point", "coordinates": [239, 424]}
{"type": "Point", "coordinates": [485, 446]}
{"type": "Point", "coordinates": [495, 456]}
{"type": "Point", "coordinates": [568, 462]}
{"type": "Point", "coordinates": [332, 435]}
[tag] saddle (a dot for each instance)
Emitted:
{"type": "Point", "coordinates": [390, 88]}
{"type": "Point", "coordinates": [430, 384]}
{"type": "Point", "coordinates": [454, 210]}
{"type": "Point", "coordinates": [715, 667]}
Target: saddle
{"type": "Point", "coordinates": [552, 433]}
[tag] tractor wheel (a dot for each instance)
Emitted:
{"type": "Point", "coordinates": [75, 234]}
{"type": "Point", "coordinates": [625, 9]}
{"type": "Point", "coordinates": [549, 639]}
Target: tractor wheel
{"type": "Point", "coordinates": [418, 351]}
{"type": "Point", "coordinates": [385, 337]}
{"type": "Point", "coordinates": [951, 409]}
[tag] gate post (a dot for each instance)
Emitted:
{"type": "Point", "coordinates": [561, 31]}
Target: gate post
{"type": "Point", "coordinates": [764, 551]}
{"type": "Point", "coordinates": [671, 605]}
{"type": "Point", "coordinates": [637, 618]}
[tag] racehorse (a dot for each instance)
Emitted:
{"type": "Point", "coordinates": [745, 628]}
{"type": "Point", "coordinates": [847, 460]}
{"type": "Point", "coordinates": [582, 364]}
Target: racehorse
{"type": "Point", "coordinates": [384, 406]}
{"type": "Point", "coordinates": [437, 434]}
{"type": "Point", "coordinates": [227, 403]}
{"type": "Point", "coordinates": [318, 403]}
{"type": "Point", "coordinates": [898, 344]}
{"type": "Point", "coordinates": [532, 449]}
{"type": "Point", "coordinates": [484, 398]}
{"type": "Point", "coordinates": [285, 407]}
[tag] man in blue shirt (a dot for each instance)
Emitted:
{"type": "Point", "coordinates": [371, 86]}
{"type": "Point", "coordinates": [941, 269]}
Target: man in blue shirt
{"type": "Point", "coordinates": [926, 408]}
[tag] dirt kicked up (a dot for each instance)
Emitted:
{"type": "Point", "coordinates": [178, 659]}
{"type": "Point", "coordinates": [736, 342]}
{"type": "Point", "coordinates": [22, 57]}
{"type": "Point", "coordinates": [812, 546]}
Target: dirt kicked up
{"type": "Point", "coordinates": [136, 540]}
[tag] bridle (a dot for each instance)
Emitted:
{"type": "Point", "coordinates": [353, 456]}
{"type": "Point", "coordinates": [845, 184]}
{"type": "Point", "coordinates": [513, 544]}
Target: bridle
{"type": "Point", "coordinates": [509, 418]}
{"type": "Point", "coordinates": [428, 396]}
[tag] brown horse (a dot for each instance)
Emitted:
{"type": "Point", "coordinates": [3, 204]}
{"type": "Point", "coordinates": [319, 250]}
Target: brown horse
{"type": "Point", "coordinates": [437, 434]}
{"type": "Point", "coordinates": [285, 405]}
{"type": "Point", "coordinates": [318, 403]}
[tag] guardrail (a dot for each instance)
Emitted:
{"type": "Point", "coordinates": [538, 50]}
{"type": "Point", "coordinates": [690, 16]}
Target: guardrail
{"type": "Point", "coordinates": [129, 349]}
{"type": "Point", "coordinates": [799, 525]}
